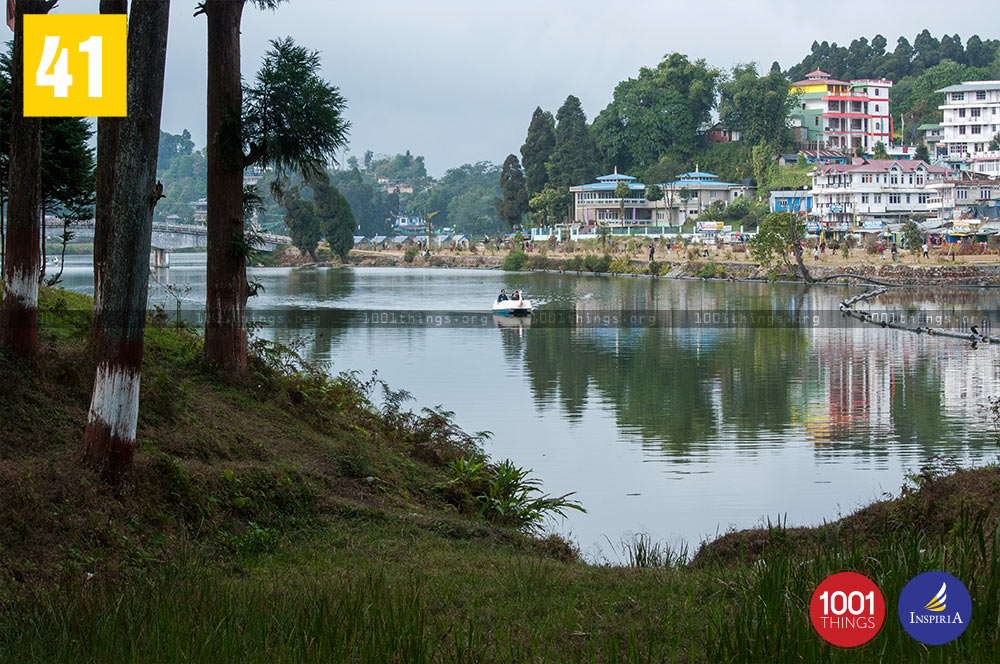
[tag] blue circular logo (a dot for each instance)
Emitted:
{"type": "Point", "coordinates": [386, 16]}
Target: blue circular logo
{"type": "Point", "coordinates": [935, 608]}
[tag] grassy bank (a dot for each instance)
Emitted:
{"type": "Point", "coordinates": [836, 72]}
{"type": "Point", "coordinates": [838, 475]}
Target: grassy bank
{"type": "Point", "coordinates": [291, 519]}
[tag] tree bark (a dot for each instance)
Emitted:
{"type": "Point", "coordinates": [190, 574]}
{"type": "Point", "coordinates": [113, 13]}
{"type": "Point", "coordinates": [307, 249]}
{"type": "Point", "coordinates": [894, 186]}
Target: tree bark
{"type": "Point", "coordinates": [225, 320]}
{"type": "Point", "coordinates": [109, 440]}
{"type": "Point", "coordinates": [107, 144]}
{"type": "Point", "coordinates": [19, 316]}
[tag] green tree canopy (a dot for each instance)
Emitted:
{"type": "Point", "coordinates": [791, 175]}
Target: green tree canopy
{"type": "Point", "coordinates": [879, 151]}
{"type": "Point", "coordinates": [514, 198]}
{"type": "Point", "coordinates": [293, 120]}
{"type": "Point", "coordinates": [572, 160]}
{"type": "Point", "coordinates": [656, 113]}
{"type": "Point", "coordinates": [756, 105]}
{"type": "Point", "coordinates": [537, 150]}
{"type": "Point", "coordinates": [303, 224]}
{"type": "Point", "coordinates": [334, 216]}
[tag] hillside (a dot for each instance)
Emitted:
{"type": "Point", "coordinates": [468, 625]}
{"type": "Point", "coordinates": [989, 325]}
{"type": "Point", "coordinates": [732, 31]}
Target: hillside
{"type": "Point", "coordinates": [292, 520]}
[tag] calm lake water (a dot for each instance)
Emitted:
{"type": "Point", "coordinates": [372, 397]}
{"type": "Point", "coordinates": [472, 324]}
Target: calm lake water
{"type": "Point", "coordinates": [681, 432]}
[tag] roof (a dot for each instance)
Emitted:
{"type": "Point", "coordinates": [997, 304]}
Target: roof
{"type": "Point", "coordinates": [614, 176]}
{"type": "Point", "coordinates": [400, 238]}
{"type": "Point", "coordinates": [379, 238]}
{"type": "Point", "coordinates": [610, 186]}
{"type": "Point", "coordinates": [880, 166]}
{"type": "Point", "coordinates": [972, 86]}
{"type": "Point", "coordinates": [928, 126]}
{"type": "Point", "coordinates": [818, 77]}
{"type": "Point", "coordinates": [697, 175]}
{"type": "Point", "coordinates": [359, 238]}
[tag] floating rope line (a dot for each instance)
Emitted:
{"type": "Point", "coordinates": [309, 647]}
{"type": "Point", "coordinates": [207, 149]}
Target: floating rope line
{"type": "Point", "coordinates": [847, 307]}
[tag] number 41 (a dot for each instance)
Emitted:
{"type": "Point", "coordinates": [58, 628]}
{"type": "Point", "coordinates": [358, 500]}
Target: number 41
{"type": "Point", "coordinates": [60, 79]}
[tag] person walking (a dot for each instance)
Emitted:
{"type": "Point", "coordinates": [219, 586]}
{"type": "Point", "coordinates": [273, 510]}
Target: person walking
{"type": "Point", "coordinates": [924, 248]}
{"type": "Point", "coordinates": [652, 252]}
{"type": "Point", "coordinates": [895, 252]}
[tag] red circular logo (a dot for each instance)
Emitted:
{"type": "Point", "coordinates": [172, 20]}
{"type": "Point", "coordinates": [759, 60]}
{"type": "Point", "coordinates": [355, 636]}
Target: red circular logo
{"type": "Point", "coordinates": [847, 609]}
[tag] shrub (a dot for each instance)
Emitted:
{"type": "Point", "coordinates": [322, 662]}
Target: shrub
{"type": "Point", "coordinates": [656, 268]}
{"type": "Point", "coordinates": [597, 264]}
{"type": "Point", "coordinates": [711, 271]}
{"type": "Point", "coordinates": [515, 261]}
{"type": "Point", "coordinates": [576, 263]}
{"type": "Point", "coordinates": [621, 266]}
{"type": "Point", "coordinates": [410, 254]}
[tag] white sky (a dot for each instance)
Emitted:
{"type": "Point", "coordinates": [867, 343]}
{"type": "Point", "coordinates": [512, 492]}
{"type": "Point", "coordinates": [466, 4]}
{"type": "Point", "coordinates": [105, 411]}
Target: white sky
{"type": "Point", "coordinates": [457, 80]}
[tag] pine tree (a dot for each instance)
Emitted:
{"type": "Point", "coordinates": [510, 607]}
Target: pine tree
{"type": "Point", "coordinates": [537, 150]}
{"type": "Point", "coordinates": [572, 159]}
{"type": "Point", "coordinates": [303, 224]}
{"type": "Point", "coordinates": [514, 203]}
{"type": "Point", "coordinates": [336, 219]}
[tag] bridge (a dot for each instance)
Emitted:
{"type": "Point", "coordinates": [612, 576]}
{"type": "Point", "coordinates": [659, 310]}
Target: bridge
{"type": "Point", "coordinates": [170, 237]}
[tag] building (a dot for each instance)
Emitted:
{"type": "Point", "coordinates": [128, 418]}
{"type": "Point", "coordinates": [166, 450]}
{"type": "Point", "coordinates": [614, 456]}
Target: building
{"type": "Point", "coordinates": [686, 197]}
{"type": "Point", "coordinates": [201, 210]}
{"type": "Point", "coordinates": [410, 224]}
{"type": "Point", "coordinates": [970, 118]}
{"type": "Point", "coordinates": [841, 115]}
{"type": "Point", "coordinates": [986, 163]}
{"type": "Point", "coordinates": [791, 200]}
{"type": "Point", "coordinates": [964, 196]}
{"type": "Point", "coordinates": [720, 133]}
{"type": "Point", "coordinates": [866, 194]}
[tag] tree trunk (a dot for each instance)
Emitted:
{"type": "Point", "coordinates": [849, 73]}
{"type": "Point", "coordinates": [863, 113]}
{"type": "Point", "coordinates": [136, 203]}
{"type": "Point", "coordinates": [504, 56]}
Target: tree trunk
{"type": "Point", "coordinates": [3, 231]}
{"type": "Point", "coordinates": [109, 441]}
{"type": "Point", "coordinates": [107, 145]}
{"type": "Point", "coordinates": [225, 320]}
{"type": "Point", "coordinates": [19, 316]}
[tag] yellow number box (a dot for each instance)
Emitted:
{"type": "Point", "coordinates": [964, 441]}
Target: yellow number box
{"type": "Point", "coordinates": [74, 65]}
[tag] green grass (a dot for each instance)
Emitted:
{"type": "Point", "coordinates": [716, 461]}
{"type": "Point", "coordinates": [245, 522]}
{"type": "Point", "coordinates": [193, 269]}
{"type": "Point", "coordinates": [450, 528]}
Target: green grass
{"type": "Point", "coordinates": [290, 520]}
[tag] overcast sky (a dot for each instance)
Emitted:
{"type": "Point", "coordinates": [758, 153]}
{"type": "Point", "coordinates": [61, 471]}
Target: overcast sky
{"type": "Point", "coordinates": [457, 80]}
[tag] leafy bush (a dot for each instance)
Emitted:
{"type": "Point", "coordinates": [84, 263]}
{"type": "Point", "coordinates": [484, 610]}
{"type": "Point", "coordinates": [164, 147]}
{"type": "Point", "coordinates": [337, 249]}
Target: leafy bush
{"type": "Point", "coordinates": [514, 498]}
{"type": "Point", "coordinates": [597, 264]}
{"type": "Point", "coordinates": [576, 263]}
{"type": "Point", "coordinates": [515, 261]}
{"type": "Point", "coordinates": [621, 266]}
{"type": "Point", "coordinates": [656, 268]}
{"type": "Point", "coordinates": [410, 254]}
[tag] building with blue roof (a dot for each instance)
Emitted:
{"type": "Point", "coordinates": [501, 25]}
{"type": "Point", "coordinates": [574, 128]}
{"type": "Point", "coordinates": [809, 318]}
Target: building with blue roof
{"type": "Point", "coordinates": [684, 199]}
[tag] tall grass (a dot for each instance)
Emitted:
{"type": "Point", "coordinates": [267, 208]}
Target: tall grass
{"type": "Point", "coordinates": [769, 616]}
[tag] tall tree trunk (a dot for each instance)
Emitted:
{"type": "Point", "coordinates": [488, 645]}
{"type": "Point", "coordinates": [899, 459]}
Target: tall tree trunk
{"type": "Point", "coordinates": [225, 320]}
{"type": "Point", "coordinates": [109, 440]}
{"type": "Point", "coordinates": [19, 316]}
{"type": "Point", "coordinates": [3, 231]}
{"type": "Point", "coordinates": [107, 145]}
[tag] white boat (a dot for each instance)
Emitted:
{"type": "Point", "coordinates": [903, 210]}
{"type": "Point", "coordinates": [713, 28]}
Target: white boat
{"type": "Point", "coordinates": [512, 308]}
{"type": "Point", "coordinates": [51, 261]}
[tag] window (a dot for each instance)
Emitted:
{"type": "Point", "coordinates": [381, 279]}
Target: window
{"type": "Point", "coordinates": [973, 112]}
{"type": "Point", "coordinates": [977, 129]}
{"type": "Point", "coordinates": [866, 178]}
{"type": "Point", "coordinates": [911, 178]}
{"type": "Point", "coordinates": [894, 179]}
{"type": "Point", "coordinates": [877, 198]}
{"type": "Point", "coordinates": [961, 112]}
{"type": "Point", "coordinates": [986, 193]}
{"type": "Point", "coordinates": [907, 198]}
{"type": "Point", "coordinates": [961, 131]}
{"type": "Point", "coordinates": [817, 120]}
{"type": "Point", "coordinates": [957, 96]}
{"type": "Point", "coordinates": [980, 94]}
{"type": "Point", "coordinates": [893, 199]}
{"type": "Point", "coordinates": [920, 179]}
{"type": "Point", "coordinates": [876, 108]}
{"type": "Point", "coordinates": [962, 194]}
{"type": "Point", "coordinates": [922, 198]}
{"type": "Point", "coordinates": [864, 198]}
{"type": "Point", "coordinates": [878, 125]}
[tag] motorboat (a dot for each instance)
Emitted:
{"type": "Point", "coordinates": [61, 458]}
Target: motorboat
{"type": "Point", "coordinates": [50, 261]}
{"type": "Point", "coordinates": [512, 307]}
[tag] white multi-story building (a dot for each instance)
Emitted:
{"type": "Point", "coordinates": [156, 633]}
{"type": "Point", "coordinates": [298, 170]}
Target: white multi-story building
{"type": "Point", "coordinates": [970, 118]}
{"type": "Point", "coordinates": [964, 195]}
{"type": "Point", "coordinates": [866, 194]}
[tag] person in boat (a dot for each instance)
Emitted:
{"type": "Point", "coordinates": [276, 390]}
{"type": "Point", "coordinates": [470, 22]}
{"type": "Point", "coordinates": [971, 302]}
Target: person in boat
{"type": "Point", "coordinates": [503, 296]}
{"type": "Point", "coordinates": [516, 295]}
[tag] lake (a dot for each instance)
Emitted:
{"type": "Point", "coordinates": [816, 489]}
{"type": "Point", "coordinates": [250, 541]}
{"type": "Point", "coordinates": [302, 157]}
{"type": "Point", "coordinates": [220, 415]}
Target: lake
{"type": "Point", "coordinates": [681, 431]}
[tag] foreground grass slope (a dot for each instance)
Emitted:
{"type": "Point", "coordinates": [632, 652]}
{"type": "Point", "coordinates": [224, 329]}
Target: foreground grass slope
{"type": "Point", "coordinates": [291, 520]}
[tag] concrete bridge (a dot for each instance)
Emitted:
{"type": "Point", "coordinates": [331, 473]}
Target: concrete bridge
{"type": "Point", "coordinates": [169, 237]}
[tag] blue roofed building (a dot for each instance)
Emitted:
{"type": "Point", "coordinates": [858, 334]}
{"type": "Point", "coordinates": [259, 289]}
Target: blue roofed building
{"type": "Point", "coordinates": [684, 199]}
{"type": "Point", "coordinates": [791, 200]}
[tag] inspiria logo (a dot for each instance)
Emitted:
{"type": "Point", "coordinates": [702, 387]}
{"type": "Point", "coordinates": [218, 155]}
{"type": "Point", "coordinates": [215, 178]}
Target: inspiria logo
{"type": "Point", "coordinates": [928, 614]}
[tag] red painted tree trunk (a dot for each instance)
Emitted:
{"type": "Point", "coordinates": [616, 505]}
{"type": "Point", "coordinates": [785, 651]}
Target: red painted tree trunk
{"type": "Point", "coordinates": [225, 321]}
{"type": "Point", "coordinates": [107, 144]}
{"type": "Point", "coordinates": [109, 440]}
{"type": "Point", "coordinates": [19, 316]}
